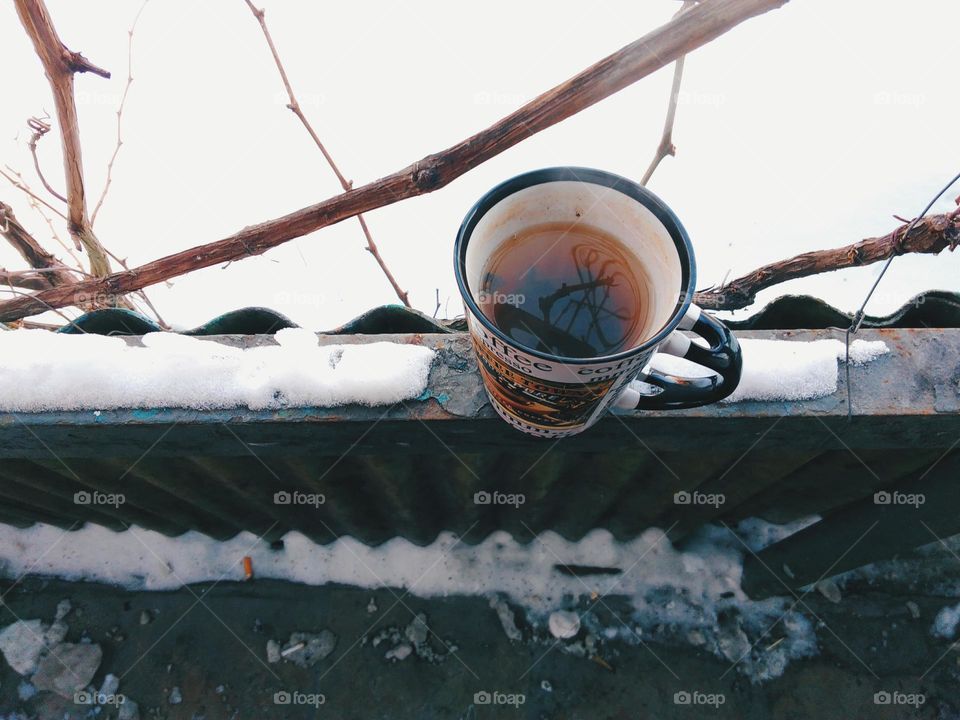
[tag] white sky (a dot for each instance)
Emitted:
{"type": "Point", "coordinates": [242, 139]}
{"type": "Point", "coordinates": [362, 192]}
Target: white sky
{"type": "Point", "coordinates": [805, 128]}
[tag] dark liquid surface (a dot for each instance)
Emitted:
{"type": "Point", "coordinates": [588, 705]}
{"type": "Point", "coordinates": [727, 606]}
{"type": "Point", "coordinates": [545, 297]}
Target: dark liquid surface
{"type": "Point", "coordinates": [568, 290]}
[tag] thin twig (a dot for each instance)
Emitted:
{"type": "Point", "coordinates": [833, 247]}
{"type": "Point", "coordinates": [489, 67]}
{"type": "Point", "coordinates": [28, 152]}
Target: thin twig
{"type": "Point", "coordinates": [123, 102]}
{"type": "Point", "coordinates": [19, 184]}
{"type": "Point", "coordinates": [116, 150]}
{"type": "Point", "coordinates": [78, 265]}
{"type": "Point", "coordinates": [696, 27]}
{"type": "Point", "coordinates": [40, 127]}
{"type": "Point", "coordinates": [294, 107]}
{"type": "Point", "coordinates": [666, 146]}
{"type": "Point", "coordinates": [35, 203]}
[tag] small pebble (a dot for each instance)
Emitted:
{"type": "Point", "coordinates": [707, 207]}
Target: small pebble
{"type": "Point", "coordinates": [564, 624]}
{"type": "Point", "coordinates": [829, 589]}
{"type": "Point", "coordinates": [129, 710]}
{"type": "Point", "coordinates": [508, 620]}
{"type": "Point", "coordinates": [145, 617]}
{"type": "Point", "coordinates": [546, 686]}
{"type": "Point", "coordinates": [914, 609]}
{"type": "Point", "coordinates": [400, 652]}
{"type": "Point", "coordinates": [63, 609]}
{"type": "Point", "coordinates": [416, 631]}
{"type": "Point", "coordinates": [111, 684]}
{"type": "Point", "coordinates": [273, 651]}
{"type": "Point", "coordinates": [25, 691]}
{"type": "Point", "coordinates": [175, 697]}
{"type": "Point", "coordinates": [371, 606]}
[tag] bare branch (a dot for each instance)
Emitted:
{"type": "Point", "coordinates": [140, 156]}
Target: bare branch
{"type": "Point", "coordinates": [22, 186]}
{"type": "Point", "coordinates": [26, 279]}
{"type": "Point", "coordinates": [33, 325]}
{"type": "Point", "coordinates": [666, 146]}
{"type": "Point", "coordinates": [932, 234]}
{"type": "Point", "coordinates": [40, 127]}
{"type": "Point", "coordinates": [694, 28]}
{"type": "Point", "coordinates": [31, 251]}
{"type": "Point", "coordinates": [294, 106]}
{"type": "Point", "coordinates": [123, 102]}
{"type": "Point", "coordinates": [60, 64]}
{"type": "Point", "coordinates": [13, 290]}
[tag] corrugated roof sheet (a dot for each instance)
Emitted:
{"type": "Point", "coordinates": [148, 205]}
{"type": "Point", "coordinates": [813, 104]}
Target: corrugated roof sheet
{"type": "Point", "coordinates": [935, 308]}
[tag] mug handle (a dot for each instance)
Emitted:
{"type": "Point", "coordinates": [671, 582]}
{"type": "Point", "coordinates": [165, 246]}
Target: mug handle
{"type": "Point", "coordinates": [675, 393]}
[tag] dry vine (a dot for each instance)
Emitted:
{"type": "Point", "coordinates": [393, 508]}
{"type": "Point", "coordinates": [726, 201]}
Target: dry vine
{"type": "Point", "coordinates": [35, 203]}
{"type": "Point", "coordinates": [666, 146]}
{"type": "Point", "coordinates": [123, 103]}
{"type": "Point", "coordinates": [694, 28]}
{"type": "Point", "coordinates": [40, 127]}
{"type": "Point", "coordinates": [295, 108]}
{"type": "Point", "coordinates": [18, 183]}
{"type": "Point", "coordinates": [60, 65]}
{"type": "Point", "coordinates": [932, 235]}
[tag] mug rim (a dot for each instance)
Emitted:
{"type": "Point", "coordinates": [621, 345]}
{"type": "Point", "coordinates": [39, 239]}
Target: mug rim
{"type": "Point", "coordinates": [603, 178]}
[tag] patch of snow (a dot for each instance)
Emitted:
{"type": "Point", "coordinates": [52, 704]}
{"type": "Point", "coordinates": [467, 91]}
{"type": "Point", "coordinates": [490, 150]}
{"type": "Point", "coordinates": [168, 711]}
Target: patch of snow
{"type": "Point", "coordinates": [758, 534]}
{"type": "Point", "coordinates": [946, 621]}
{"type": "Point", "coordinates": [22, 643]}
{"type": "Point", "coordinates": [400, 652]}
{"type": "Point", "coordinates": [782, 370]}
{"type": "Point", "coordinates": [40, 370]}
{"type": "Point", "coordinates": [25, 691]}
{"type": "Point", "coordinates": [689, 596]}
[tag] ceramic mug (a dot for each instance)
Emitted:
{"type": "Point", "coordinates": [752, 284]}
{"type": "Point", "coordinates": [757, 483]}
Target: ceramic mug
{"type": "Point", "coordinates": [553, 396]}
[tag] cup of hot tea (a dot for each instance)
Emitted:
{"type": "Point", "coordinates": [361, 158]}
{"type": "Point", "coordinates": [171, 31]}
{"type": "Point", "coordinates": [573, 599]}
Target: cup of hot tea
{"type": "Point", "coordinates": [572, 279]}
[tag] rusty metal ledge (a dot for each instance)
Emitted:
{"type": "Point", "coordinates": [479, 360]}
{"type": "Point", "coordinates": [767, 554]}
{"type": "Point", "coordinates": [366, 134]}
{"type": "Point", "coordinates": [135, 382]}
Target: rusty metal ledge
{"type": "Point", "coordinates": [907, 398]}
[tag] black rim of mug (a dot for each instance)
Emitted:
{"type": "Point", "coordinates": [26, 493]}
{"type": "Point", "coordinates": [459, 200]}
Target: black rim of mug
{"type": "Point", "coordinates": [598, 177]}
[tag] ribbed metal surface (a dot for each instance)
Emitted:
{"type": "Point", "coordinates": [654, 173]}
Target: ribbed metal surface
{"type": "Point", "coordinates": [413, 470]}
{"type": "Point", "coordinates": [416, 496]}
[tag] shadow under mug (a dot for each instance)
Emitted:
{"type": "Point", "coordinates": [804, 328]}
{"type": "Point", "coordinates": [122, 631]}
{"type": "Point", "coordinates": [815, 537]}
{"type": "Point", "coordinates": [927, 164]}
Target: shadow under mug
{"type": "Point", "coordinates": [553, 396]}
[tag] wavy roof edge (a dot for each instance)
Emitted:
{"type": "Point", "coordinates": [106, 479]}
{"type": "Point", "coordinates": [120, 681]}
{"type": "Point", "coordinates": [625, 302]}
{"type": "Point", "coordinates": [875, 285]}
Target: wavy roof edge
{"type": "Point", "coordinates": [934, 308]}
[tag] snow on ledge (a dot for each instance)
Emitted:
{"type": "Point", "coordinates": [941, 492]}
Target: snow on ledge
{"type": "Point", "coordinates": [41, 371]}
{"type": "Point", "coordinates": [783, 370]}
